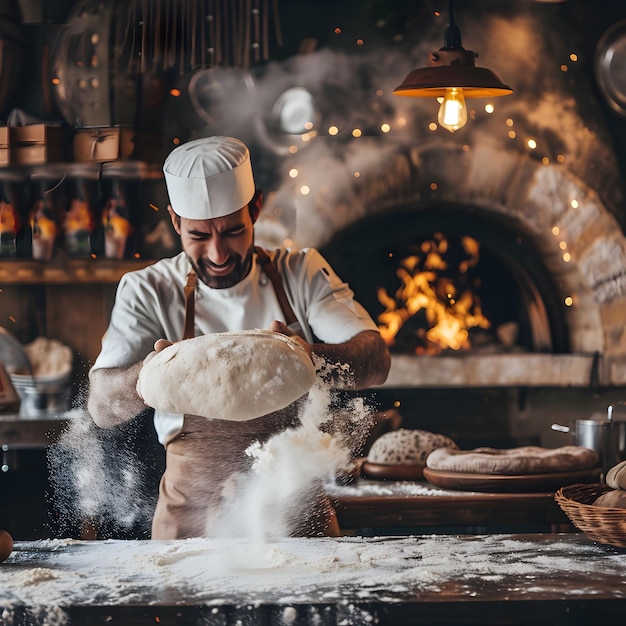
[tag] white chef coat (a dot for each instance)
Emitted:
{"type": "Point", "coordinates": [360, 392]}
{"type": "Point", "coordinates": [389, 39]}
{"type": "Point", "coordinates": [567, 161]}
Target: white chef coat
{"type": "Point", "coordinates": [150, 305]}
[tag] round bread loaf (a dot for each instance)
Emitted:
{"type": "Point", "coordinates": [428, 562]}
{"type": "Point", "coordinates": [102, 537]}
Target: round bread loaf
{"type": "Point", "coordinates": [615, 498]}
{"type": "Point", "coordinates": [513, 461]}
{"type": "Point", "coordinates": [406, 446]}
{"type": "Point", "coordinates": [616, 476]}
{"type": "Point", "coordinates": [234, 376]}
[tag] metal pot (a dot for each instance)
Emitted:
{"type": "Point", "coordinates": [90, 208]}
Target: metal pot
{"type": "Point", "coordinates": [606, 437]}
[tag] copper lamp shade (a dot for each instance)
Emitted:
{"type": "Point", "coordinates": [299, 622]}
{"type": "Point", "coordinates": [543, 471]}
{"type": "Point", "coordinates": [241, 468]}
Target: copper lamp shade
{"type": "Point", "coordinates": [452, 67]}
{"type": "Point", "coordinates": [432, 81]}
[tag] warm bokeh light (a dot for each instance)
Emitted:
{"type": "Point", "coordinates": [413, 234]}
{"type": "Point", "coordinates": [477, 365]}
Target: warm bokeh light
{"type": "Point", "coordinates": [333, 130]}
{"type": "Point", "coordinates": [385, 128]}
{"type": "Point", "coordinates": [563, 245]}
{"type": "Point", "coordinates": [556, 230]}
{"type": "Point", "coordinates": [569, 301]}
{"type": "Point", "coordinates": [293, 172]}
{"type": "Point", "coordinates": [532, 144]}
{"type": "Point", "coordinates": [574, 204]}
{"type": "Point", "coordinates": [305, 190]}
{"type": "Point", "coordinates": [356, 132]}
{"type": "Point", "coordinates": [567, 257]}
{"type": "Point", "coordinates": [489, 108]}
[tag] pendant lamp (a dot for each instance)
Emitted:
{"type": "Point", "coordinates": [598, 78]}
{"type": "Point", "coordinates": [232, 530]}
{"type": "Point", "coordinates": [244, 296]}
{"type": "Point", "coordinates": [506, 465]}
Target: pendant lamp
{"type": "Point", "coordinates": [452, 76]}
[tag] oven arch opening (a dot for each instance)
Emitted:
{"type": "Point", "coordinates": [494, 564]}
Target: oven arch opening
{"type": "Point", "coordinates": [515, 285]}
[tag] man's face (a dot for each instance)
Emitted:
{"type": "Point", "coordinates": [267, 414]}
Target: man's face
{"type": "Point", "coordinates": [219, 249]}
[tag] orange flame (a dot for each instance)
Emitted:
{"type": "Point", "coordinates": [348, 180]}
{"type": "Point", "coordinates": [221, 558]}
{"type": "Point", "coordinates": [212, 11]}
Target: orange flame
{"type": "Point", "coordinates": [449, 314]}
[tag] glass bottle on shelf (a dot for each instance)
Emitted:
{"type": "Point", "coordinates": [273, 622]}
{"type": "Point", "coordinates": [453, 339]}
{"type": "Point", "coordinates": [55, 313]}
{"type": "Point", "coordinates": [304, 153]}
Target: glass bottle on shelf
{"type": "Point", "coordinates": [43, 222]}
{"type": "Point", "coordinates": [115, 219]}
{"type": "Point", "coordinates": [9, 223]}
{"type": "Point", "coordinates": [78, 222]}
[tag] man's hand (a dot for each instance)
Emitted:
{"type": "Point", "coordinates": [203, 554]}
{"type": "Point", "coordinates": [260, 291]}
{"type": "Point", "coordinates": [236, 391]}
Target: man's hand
{"type": "Point", "coordinates": [159, 344]}
{"type": "Point", "coordinates": [281, 327]}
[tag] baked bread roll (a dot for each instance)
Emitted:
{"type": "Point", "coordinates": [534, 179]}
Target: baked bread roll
{"type": "Point", "coordinates": [234, 376]}
{"type": "Point", "coordinates": [616, 476]}
{"type": "Point", "coordinates": [615, 498]}
{"type": "Point", "coordinates": [513, 461]}
{"type": "Point", "coordinates": [406, 447]}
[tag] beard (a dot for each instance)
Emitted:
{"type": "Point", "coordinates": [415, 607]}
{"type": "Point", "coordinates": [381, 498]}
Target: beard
{"type": "Point", "coordinates": [240, 270]}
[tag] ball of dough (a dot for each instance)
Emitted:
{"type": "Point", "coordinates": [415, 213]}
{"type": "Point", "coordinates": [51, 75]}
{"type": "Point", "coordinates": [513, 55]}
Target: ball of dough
{"type": "Point", "coordinates": [616, 476]}
{"type": "Point", "coordinates": [234, 376]}
{"type": "Point", "coordinates": [406, 446]}
{"type": "Point", "coordinates": [6, 545]}
{"type": "Point", "coordinates": [615, 498]}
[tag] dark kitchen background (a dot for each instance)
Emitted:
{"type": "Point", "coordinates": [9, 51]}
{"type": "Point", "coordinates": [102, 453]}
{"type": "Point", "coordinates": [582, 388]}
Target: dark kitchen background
{"type": "Point", "coordinates": [493, 258]}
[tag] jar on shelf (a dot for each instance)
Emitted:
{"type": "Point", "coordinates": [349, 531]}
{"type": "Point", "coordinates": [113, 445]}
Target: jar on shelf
{"type": "Point", "coordinates": [44, 224]}
{"type": "Point", "coordinates": [79, 217]}
{"type": "Point", "coordinates": [116, 218]}
{"type": "Point", "coordinates": [9, 224]}
{"type": "Point", "coordinates": [13, 239]}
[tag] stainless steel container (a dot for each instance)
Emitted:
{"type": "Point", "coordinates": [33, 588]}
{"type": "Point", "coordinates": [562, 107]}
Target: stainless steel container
{"type": "Point", "coordinates": [48, 396]}
{"type": "Point", "coordinates": [606, 437]}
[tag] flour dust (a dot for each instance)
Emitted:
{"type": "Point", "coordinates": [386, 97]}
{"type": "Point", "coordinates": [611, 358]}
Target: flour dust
{"type": "Point", "coordinates": [112, 475]}
{"type": "Point", "coordinates": [108, 476]}
{"type": "Point", "coordinates": [283, 493]}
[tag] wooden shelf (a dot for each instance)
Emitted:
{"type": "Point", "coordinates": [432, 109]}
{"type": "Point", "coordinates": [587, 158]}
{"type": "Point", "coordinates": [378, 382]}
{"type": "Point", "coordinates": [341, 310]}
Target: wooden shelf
{"type": "Point", "coordinates": [67, 271]}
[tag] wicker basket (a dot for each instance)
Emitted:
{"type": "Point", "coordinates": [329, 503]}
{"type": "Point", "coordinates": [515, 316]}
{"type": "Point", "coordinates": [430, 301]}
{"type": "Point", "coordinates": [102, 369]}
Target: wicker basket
{"type": "Point", "coordinates": [603, 524]}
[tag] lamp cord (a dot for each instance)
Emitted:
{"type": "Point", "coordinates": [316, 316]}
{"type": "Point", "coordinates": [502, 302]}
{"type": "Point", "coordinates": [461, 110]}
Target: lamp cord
{"type": "Point", "coordinates": [452, 36]}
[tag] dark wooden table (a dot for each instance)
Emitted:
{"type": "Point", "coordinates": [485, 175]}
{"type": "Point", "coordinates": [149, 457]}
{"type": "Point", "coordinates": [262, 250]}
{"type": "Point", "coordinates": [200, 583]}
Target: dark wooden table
{"type": "Point", "coordinates": [551, 579]}
{"type": "Point", "coordinates": [370, 507]}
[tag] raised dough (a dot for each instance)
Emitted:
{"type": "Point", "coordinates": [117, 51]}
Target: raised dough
{"type": "Point", "coordinates": [513, 461]}
{"type": "Point", "coordinates": [406, 446]}
{"type": "Point", "coordinates": [616, 476]}
{"type": "Point", "coordinates": [615, 498]}
{"type": "Point", "coordinates": [233, 376]}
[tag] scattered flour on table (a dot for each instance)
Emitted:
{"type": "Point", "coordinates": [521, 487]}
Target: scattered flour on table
{"type": "Point", "coordinates": [55, 573]}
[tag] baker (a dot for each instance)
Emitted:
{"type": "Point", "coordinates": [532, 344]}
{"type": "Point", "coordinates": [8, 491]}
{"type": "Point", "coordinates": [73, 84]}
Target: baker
{"type": "Point", "coordinates": [221, 282]}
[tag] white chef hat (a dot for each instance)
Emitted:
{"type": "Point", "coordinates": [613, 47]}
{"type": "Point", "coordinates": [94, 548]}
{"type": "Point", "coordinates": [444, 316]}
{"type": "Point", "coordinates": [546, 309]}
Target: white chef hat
{"type": "Point", "coordinates": [209, 177]}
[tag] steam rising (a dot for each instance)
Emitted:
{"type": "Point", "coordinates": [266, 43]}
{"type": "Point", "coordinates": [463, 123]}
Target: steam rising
{"type": "Point", "coordinates": [349, 177]}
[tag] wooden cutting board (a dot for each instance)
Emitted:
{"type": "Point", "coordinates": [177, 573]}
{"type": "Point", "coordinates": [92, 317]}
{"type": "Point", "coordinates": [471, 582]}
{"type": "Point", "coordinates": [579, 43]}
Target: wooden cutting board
{"type": "Point", "coordinates": [387, 471]}
{"type": "Point", "coordinates": [500, 483]}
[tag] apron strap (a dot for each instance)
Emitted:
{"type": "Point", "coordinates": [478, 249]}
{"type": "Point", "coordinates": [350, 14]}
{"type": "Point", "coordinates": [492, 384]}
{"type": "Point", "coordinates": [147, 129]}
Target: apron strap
{"type": "Point", "coordinates": [190, 288]}
{"type": "Point", "coordinates": [272, 272]}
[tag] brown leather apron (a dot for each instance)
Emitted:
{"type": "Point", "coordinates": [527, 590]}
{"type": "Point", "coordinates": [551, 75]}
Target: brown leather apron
{"type": "Point", "coordinates": [205, 457]}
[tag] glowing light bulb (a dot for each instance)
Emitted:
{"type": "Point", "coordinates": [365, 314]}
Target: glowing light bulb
{"type": "Point", "coordinates": [452, 112]}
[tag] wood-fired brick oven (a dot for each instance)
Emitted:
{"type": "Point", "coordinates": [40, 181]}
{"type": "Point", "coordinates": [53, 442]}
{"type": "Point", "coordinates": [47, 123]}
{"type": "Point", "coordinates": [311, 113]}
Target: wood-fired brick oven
{"type": "Point", "coordinates": [555, 239]}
